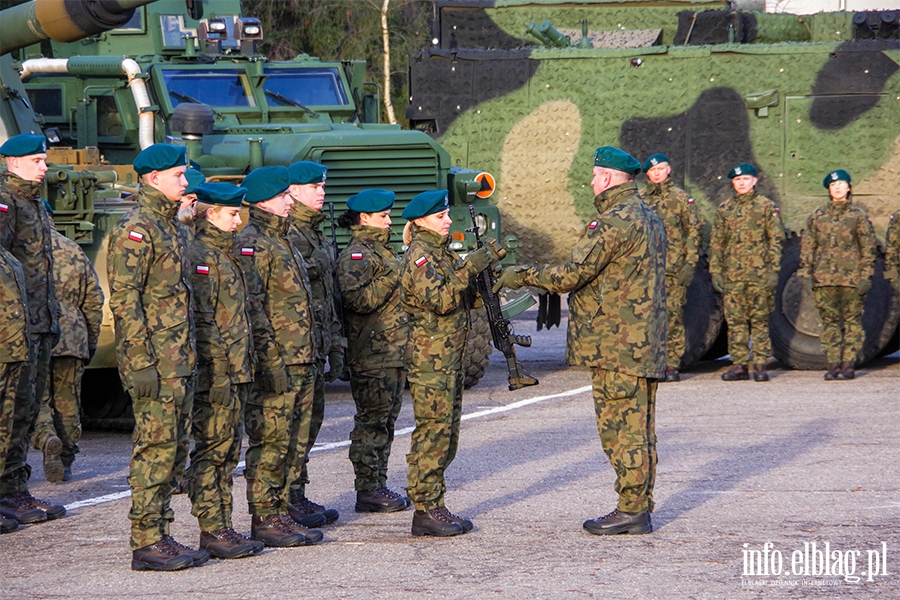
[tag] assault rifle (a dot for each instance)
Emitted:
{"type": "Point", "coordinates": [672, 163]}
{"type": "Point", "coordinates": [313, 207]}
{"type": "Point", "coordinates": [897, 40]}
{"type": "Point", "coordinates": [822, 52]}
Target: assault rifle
{"type": "Point", "coordinates": [501, 329]}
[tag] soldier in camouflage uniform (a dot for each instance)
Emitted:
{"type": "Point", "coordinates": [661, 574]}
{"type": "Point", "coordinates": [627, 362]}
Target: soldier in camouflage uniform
{"type": "Point", "coordinates": [25, 230]}
{"type": "Point", "coordinates": [308, 192]}
{"type": "Point", "coordinates": [892, 252]}
{"type": "Point", "coordinates": [150, 299]}
{"type": "Point", "coordinates": [744, 257]}
{"type": "Point", "coordinates": [368, 275]}
{"type": "Point", "coordinates": [58, 426]}
{"type": "Point", "coordinates": [617, 327]}
{"type": "Point", "coordinates": [279, 409]}
{"type": "Point", "coordinates": [14, 355]}
{"type": "Point", "coordinates": [225, 358]}
{"type": "Point", "coordinates": [837, 260]}
{"type": "Point", "coordinates": [436, 289]}
{"type": "Point", "coordinates": [682, 222]}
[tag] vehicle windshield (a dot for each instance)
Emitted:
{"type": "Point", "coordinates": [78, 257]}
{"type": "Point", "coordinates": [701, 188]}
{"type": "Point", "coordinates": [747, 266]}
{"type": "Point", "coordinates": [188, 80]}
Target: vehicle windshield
{"type": "Point", "coordinates": [216, 87]}
{"type": "Point", "coordinates": [304, 87]}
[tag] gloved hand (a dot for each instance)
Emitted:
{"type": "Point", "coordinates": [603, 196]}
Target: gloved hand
{"type": "Point", "coordinates": [479, 260]}
{"type": "Point", "coordinates": [335, 364]}
{"type": "Point", "coordinates": [218, 394]}
{"type": "Point", "coordinates": [864, 286]}
{"type": "Point", "coordinates": [686, 276]}
{"type": "Point", "coordinates": [718, 283]}
{"type": "Point", "coordinates": [496, 248]}
{"type": "Point", "coordinates": [771, 281]}
{"type": "Point", "coordinates": [275, 381]}
{"type": "Point", "coordinates": [145, 382]}
{"type": "Point", "coordinates": [511, 278]}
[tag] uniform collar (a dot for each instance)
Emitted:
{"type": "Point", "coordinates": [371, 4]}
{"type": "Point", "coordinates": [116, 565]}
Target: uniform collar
{"type": "Point", "coordinates": [745, 197]}
{"type": "Point", "coordinates": [212, 236]}
{"type": "Point", "coordinates": [22, 187]}
{"type": "Point", "coordinates": [614, 195]}
{"type": "Point", "coordinates": [839, 206]}
{"type": "Point", "coordinates": [429, 237]}
{"type": "Point", "coordinates": [156, 201]}
{"type": "Point", "coordinates": [364, 233]}
{"type": "Point", "coordinates": [304, 215]}
{"type": "Point", "coordinates": [659, 188]}
{"type": "Point", "coordinates": [267, 220]}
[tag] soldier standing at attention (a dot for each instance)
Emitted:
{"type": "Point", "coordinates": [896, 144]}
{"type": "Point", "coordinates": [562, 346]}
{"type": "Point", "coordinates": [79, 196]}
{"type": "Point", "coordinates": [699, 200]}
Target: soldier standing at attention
{"type": "Point", "coordinates": [744, 259]}
{"type": "Point", "coordinates": [617, 326]}
{"type": "Point", "coordinates": [308, 191]}
{"type": "Point", "coordinates": [368, 274]}
{"type": "Point", "coordinates": [682, 222]}
{"type": "Point", "coordinates": [436, 290]}
{"type": "Point", "coordinates": [837, 260]}
{"type": "Point", "coordinates": [225, 358]}
{"type": "Point", "coordinates": [80, 297]}
{"type": "Point", "coordinates": [150, 299]}
{"type": "Point", "coordinates": [892, 252]}
{"type": "Point", "coordinates": [278, 410]}
{"type": "Point", "coordinates": [25, 230]}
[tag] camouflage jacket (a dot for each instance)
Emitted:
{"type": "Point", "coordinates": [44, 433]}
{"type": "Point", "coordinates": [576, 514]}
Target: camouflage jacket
{"type": "Point", "coordinates": [368, 275]}
{"type": "Point", "coordinates": [150, 290]}
{"type": "Point", "coordinates": [224, 340]}
{"type": "Point", "coordinates": [307, 236]}
{"type": "Point", "coordinates": [25, 228]}
{"type": "Point", "coordinates": [80, 299]}
{"type": "Point", "coordinates": [838, 246]}
{"type": "Point", "coordinates": [279, 292]}
{"type": "Point", "coordinates": [746, 239]}
{"type": "Point", "coordinates": [617, 276]}
{"type": "Point", "coordinates": [681, 218]}
{"type": "Point", "coordinates": [14, 321]}
{"type": "Point", "coordinates": [434, 289]}
{"type": "Point", "coordinates": [892, 248]}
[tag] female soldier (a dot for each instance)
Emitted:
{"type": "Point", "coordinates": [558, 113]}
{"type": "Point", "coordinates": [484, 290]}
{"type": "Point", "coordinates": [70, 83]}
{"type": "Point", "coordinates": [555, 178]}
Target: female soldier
{"type": "Point", "coordinates": [837, 259]}
{"type": "Point", "coordinates": [435, 289]}
{"type": "Point", "coordinates": [225, 351]}
{"type": "Point", "coordinates": [368, 274]}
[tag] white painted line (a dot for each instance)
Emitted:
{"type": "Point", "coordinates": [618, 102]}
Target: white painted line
{"type": "Point", "coordinates": [398, 433]}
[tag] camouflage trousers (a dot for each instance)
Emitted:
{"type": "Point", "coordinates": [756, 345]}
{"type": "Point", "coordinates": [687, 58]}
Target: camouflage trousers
{"type": "Point", "coordinates": [676, 295]}
{"type": "Point", "coordinates": [378, 395]}
{"type": "Point", "coordinates": [60, 412]}
{"type": "Point", "coordinates": [217, 430]}
{"type": "Point", "coordinates": [437, 405]}
{"type": "Point", "coordinates": [626, 418]}
{"type": "Point", "coordinates": [157, 459]}
{"type": "Point", "coordinates": [10, 374]}
{"type": "Point", "coordinates": [840, 309]}
{"type": "Point", "coordinates": [317, 417]}
{"type": "Point", "coordinates": [277, 426]}
{"type": "Point", "coordinates": [748, 307]}
{"type": "Point", "coordinates": [32, 383]}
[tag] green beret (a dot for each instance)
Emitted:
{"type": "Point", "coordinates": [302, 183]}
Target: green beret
{"type": "Point", "coordinates": [613, 158]}
{"type": "Point", "coordinates": [24, 144]}
{"type": "Point", "coordinates": [160, 157]}
{"type": "Point", "coordinates": [371, 201]}
{"type": "Point", "coordinates": [195, 179]}
{"type": "Point", "coordinates": [426, 203]}
{"type": "Point", "coordinates": [306, 171]}
{"type": "Point", "coordinates": [742, 169]}
{"type": "Point", "coordinates": [837, 175]}
{"type": "Point", "coordinates": [220, 194]}
{"type": "Point", "coordinates": [654, 160]}
{"type": "Point", "coordinates": [265, 183]}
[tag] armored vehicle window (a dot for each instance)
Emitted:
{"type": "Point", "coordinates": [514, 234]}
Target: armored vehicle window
{"type": "Point", "coordinates": [109, 121]}
{"type": "Point", "coordinates": [309, 87]}
{"type": "Point", "coordinates": [173, 30]}
{"type": "Point", "coordinates": [219, 88]}
{"type": "Point", "coordinates": [47, 102]}
{"type": "Point", "coordinates": [134, 25]}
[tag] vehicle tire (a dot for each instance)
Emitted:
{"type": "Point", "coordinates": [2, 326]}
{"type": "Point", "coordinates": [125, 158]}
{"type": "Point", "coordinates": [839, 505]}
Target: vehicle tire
{"type": "Point", "coordinates": [478, 348]}
{"type": "Point", "coordinates": [703, 316]}
{"type": "Point", "coordinates": [794, 326]}
{"type": "Point", "coordinates": [105, 405]}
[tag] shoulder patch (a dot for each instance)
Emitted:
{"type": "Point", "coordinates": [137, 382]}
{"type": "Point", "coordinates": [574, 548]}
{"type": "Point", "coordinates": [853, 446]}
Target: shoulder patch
{"type": "Point", "coordinates": [246, 251]}
{"type": "Point", "coordinates": [778, 210]}
{"type": "Point", "coordinates": [892, 217]}
{"type": "Point", "coordinates": [592, 225]}
{"type": "Point", "coordinates": [203, 269]}
{"type": "Point", "coordinates": [356, 256]}
{"type": "Point", "coordinates": [4, 207]}
{"type": "Point", "coordinates": [869, 219]}
{"type": "Point", "coordinates": [421, 261]}
{"type": "Point", "coordinates": [135, 236]}
{"type": "Point", "coordinates": [690, 200]}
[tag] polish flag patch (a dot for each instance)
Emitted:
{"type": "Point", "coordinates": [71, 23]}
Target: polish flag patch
{"type": "Point", "coordinates": [778, 210]}
{"type": "Point", "coordinates": [203, 269]}
{"type": "Point", "coordinates": [421, 261]}
{"type": "Point", "coordinates": [4, 207]}
{"type": "Point", "coordinates": [690, 200]}
{"type": "Point", "coordinates": [593, 225]}
{"type": "Point", "coordinates": [135, 236]}
{"type": "Point", "coordinates": [356, 256]}
{"type": "Point", "coordinates": [246, 251]}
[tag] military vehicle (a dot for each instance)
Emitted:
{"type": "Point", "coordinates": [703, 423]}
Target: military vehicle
{"type": "Point", "coordinates": [528, 89]}
{"type": "Point", "coordinates": [188, 72]}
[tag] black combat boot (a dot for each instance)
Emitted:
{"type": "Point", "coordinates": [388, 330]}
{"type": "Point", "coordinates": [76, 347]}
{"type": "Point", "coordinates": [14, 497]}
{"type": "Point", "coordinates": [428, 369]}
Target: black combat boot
{"type": "Point", "coordinates": [846, 371]}
{"type": "Point", "coordinates": [8, 525]}
{"type": "Point", "coordinates": [54, 471]}
{"type": "Point", "coordinates": [311, 536]}
{"type": "Point", "coordinates": [433, 522]}
{"type": "Point", "coordinates": [672, 375]}
{"type": "Point", "coordinates": [380, 500]}
{"type": "Point", "coordinates": [159, 557]}
{"type": "Point", "coordinates": [273, 532]}
{"type": "Point", "coordinates": [620, 522]}
{"type": "Point", "coordinates": [832, 373]}
{"type": "Point", "coordinates": [221, 544]}
{"type": "Point", "coordinates": [463, 522]}
{"type": "Point", "coordinates": [198, 556]}
{"type": "Point", "coordinates": [307, 507]}
{"type": "Point", "coordinates": [736, 373]}
{"type": "Point", "coordinates": [759, 373]}
{"type": "Point", "coordinates": [29, 508]}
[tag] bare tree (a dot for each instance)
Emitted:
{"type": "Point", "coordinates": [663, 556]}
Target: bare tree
{"type": "Point", "coordinates": [385, 40]}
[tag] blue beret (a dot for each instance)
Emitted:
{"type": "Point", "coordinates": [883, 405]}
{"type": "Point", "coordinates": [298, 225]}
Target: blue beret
{"type": "Point", "coordinates": [654, 160]}
{"type": "Point", "coordinates": [24, 144]}
{"type": "Point", "coordinates": [195, 179]}
{"type": "Point", "coordinates": [160, 157]}
{"type": "Point", "coordinates": [306, 171]}
{"type": "Point", "coordinates": [265, 183]}
{"type": "Point", "coordinates": [426, 203]}
{"type": "Point", "coordinates": [742, 169]}
{"type": "Point", "coordinates": [47, 206]}
{"type": "Point", "coordinates": [837, 175]}
{"type": "Point", "coordinates": [613, 158]}
{"type": "Point", "coordinates": [221, 194]}
{"type": "Point", "coordinates": [371, 201]}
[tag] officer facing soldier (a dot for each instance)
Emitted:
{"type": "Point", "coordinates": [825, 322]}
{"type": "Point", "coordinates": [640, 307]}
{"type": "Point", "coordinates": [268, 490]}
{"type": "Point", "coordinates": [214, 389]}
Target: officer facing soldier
{"type": "Point", "coordinates": [682, 221]}
{"type": "Point", "coordinates": [745, 253]}
{"type": "Point", "coordinates": [837, 261]}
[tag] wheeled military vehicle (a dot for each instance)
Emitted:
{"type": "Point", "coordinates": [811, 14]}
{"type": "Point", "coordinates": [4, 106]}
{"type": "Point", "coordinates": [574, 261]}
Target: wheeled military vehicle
{"type": "Point", "coordinates": [528, 89]}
